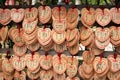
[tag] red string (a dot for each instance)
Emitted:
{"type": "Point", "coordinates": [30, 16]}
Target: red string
{"type": "Point", "coordinates": [28, 21]}
{"type": "Point", "coordinates": [44, 7]}
{"type": "Point", "coordinates": [101, 56]}
{"type": "Point", "coordinates": [44, 27]}
{"type": "Point", "coordinates": [102, 10]}
{"type": "Point", "coordinates": [19, 30]}
{"type": "Point", "coordinates": [33, 53]}
{"type": "Point", "coordinates": [88, 8]}
{"type": "Point", "coordinates": [86, 27]}
{"type": "Point", "coordinates": [88, 52]}
{"type": "Point", "coordinates": [59, 55]}
{"type": "Point", "coordinates": [30, 5]}
{"type": "Point", "coordinates": [7, 53]}
{"type": "Point", "coordinates": [116, 28]}
{"type": "Point", "coordinates": [73, 7]}
{"type": "Point", "coordinates": [102, 29]}
{"type": "Point", "coordinates": [46, 55]}
{"type": "Point", "coordinates": [118, 8]}
{"type": "Point", "coordinates": [72, 79]}
{"type": "Point", "coordinates": [59, 9]}
{"type": "Point", "coordinates": [115, 56]}
{"type": "Point", "coordinates": [29, 9]}
{"type": "Point", "coordinates": [16, 10]}
{"type": "Point", "coordinates": [20, 72]}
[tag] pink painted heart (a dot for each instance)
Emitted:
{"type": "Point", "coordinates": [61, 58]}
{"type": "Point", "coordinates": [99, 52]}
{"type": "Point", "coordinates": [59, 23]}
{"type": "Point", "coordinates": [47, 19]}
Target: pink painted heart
{"type": "Point", "coordinates": [59, 26]}
{"type": "Point", "coordinates": [102, 34]}
{"type": "Point", "coordinates": [32, 61]}
{"type": "Point", "coordinates": [31, 14]}
{"type": "Point", "coordinates": [5, 16]}
{"type": "Point", "coordinates": [17, 15]}
{"type": "Point", "coordinates": [29, 26]}
{"type": "Point", "coordinates": [114, 63]}
{"type": "Point", "coordinates": [71, 70]}
{"type": "Point", "coordinates": [43, 35]}
{"type": "Point", "coordinates": [18, 63]}
{"type": "Point", "coordinates": [46, 75]}
{"type": "Point", "coordinates": [115, 33]}
{"type": "Point", "coordinates": [72, 15]}
{"type": "Point", "coordinates": [100, 65]}
{"type": "Point", "coordinates": [44, 14]}
{"type": "Point", "coordinates": [103, 17]}
{"type": "Point", "coordinates": [115, 15]}
{"type": "Point", "coordinates": [59, 12]}
{"type": "Point", "coordinates": [58, 38]}
{"type": "Point", "coordinates": [102, 45]}
{"type": "Point", "coordinates": [46, 62]}
{"type": "Point", "coordinates": [89, 16]}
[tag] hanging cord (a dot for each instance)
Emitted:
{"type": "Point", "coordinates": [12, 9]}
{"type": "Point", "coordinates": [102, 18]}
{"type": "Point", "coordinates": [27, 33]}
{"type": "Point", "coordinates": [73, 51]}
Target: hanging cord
{"type": "Point", "coordinates": [115, 55]}
{"type": "Point", "coordinates": [44, 7]}
{"type": "Point", "coordinates": [33, 53]}
{"type": "Point", "coordinates": [44, 27]}
{"type": "Point", "coordinates": [88, 8]}
{"type": "Point", "coordinates": [117, 6]}
{"type": "Point", "coordinates": [101, 56]}
{"type": "Point", "coordinates": [8, 55]}
{"type": "Point", "coordinates": [102, 8]}
{"type": "Point", "coordinates": [72, 59]}
{"type": "Point", "coordinates": [18, 26]}
{"type": "Point", "coordinates": [59, 55]}
{"type": "Point", "coordinates": [30, 5]}
{"type": "Point", "coordinates": [20, 72]}
{"type": "Point", "coordinates": [59, 9]}
{"type": "Point", "coordinates": [46, 54]}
